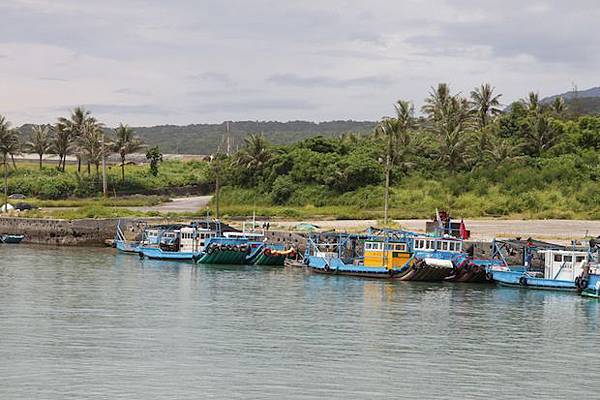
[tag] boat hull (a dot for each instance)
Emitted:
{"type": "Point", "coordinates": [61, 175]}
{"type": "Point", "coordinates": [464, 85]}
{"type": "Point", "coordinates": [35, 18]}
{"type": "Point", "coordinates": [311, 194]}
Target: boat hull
{"type": "Point", "coordinates": [523, 280]}
{"type": "Point", "coordinates": [156, 253]}
{"type": "Point", "coordinates": [127, 247]}
{"type": "Point", "coordinates": [11, 239]}
{"type": "Point", "coordinates": [409, 272]}
{"type": "Point", "coordinates": [218, 256]}
{"type": "Point", "coordinates": [592, 288]}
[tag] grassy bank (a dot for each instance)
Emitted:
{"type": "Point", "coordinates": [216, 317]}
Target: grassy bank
{"type": "Point", "coordinates": [52, 184]}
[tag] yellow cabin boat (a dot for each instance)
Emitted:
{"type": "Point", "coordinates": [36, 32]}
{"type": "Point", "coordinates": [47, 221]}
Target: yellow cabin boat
{"type": "Point", "coordinates": [389, 254]}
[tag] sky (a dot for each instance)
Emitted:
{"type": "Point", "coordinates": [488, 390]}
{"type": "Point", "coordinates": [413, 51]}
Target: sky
{"type": "Point", "coordinates": [157, 62]}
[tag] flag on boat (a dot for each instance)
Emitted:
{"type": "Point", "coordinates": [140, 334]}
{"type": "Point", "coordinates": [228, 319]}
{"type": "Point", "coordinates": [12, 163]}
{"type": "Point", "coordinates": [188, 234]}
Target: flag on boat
{"type": "Point", "coordinates": [463, 230]}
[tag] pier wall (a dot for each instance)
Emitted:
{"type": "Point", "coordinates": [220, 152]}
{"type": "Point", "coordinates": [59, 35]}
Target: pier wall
{"type": "Point", "coordinates": [83, 232]}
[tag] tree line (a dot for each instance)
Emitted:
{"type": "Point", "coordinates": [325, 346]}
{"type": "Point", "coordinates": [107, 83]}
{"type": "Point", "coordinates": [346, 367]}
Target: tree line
{"type": "Point", "coordinates": [455, 137]}
{"type": "Point", "coordinates": [79, 134]}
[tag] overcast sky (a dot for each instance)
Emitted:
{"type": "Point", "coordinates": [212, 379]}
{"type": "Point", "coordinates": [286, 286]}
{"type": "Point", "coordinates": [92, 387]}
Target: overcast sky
{"type": "Point", "coordinates": [191, 61]}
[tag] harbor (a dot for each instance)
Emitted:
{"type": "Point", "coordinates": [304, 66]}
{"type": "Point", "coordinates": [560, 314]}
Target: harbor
{"type": "Point", "coordinates": [79, 321]}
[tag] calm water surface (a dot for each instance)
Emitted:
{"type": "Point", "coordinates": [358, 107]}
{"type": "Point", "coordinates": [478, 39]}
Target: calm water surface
{"type": "Point", "coordinates": [86, 323]}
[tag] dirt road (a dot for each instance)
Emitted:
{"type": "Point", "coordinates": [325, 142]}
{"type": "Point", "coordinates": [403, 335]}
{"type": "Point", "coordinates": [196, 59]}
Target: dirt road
{"type": "Point", "coordinates": [179, 205]}
{"type": "Point", "coordinates": [482, 229]}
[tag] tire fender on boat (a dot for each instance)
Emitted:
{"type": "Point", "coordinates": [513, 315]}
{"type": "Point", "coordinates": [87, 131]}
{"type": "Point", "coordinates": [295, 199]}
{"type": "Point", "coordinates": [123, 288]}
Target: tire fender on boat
{"type": "Point", "coordinates": [523, 280]}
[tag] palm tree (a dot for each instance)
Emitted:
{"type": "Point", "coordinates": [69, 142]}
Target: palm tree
{"type": "Point", "coordinates": [542, 135]}
{"type": "Point", "coordinates": [500, 150]}
{"type": "Point", "coordinates": [395, 132]}
{"type": "Point", "coordinates": [91, 144]}
{"type": "Point", "coordinates": [559, 106]}
{"type": "Point", "coordinates": [9, 143]}
{"type": "Point", "coordinates": [405, 114]}
{"type": "Point", "coordinates": [255, 153]}
{"type": "Point", "coordinates": [62, 143]}
{"type": "Point", "coordinates": [75, 124]}
{"type": "Point", "coordinates": [40, 141]}
{"type": "Point", "coordinates": [125, 143]}
{"type": "Point", "coordinates": [453, 132]}
{"type": "Point", "coordinates": [436, 105]}
{"type": "Point", "coordinates": [532, 102]}
{"type": "Point", "coordinates": [485, 103]}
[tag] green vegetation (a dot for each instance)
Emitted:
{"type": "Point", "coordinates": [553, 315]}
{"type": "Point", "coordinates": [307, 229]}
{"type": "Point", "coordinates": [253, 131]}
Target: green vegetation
{"type": "Point", "coordinates": [535, 160]}
{"type": "Point", "coordinates": [208, 138]}
{"type": "Point", "coordinates": [51, 183]}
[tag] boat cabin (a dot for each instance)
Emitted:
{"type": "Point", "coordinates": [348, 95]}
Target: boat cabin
{"type": "Point", "coordinates": [564, 265]}
{"type": "Point", "coordinates": [385, 254]}
{"type": "Point", "coordinates": [193, 239]}
{"type": "Point", "coordinates": [430, 244]}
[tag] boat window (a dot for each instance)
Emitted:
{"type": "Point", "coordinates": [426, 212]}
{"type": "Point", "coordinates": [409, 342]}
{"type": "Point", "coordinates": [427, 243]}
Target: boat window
{"type": "Point", "coordinates": [367, 246]}
{"type": "Point", "coordinates": [557, 258]}
{"type": "Point", "coordinates": [444, 245]}
{"type": "Point", "coordinates": [579, 259]}
{"type": "Point", "coordinates": [400, 247]}
{"type": "Point", "coordinates": [451, 246]}
{"type": "Point", "coordinates": [567, 258]}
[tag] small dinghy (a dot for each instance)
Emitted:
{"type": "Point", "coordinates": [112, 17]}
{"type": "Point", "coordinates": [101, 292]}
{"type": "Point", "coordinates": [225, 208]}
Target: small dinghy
{"type": "Point", "coordinates": [11, 239]}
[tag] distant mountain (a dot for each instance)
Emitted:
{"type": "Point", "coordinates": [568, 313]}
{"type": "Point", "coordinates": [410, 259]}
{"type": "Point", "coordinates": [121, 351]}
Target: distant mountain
{"type": "Point", "coordinates": [593, 92]}
{"type": "Point", "coordinates": [206, 138]}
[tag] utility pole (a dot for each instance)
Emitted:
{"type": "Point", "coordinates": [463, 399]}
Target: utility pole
{"type": "Point", "coordinates": [5, 184]}
{"type": "Point", "coordinates": [228, 137]}
{"type": "Point", "coordinates": [387, 189]}
{"type": "Point", "coordinates": [104, 185]}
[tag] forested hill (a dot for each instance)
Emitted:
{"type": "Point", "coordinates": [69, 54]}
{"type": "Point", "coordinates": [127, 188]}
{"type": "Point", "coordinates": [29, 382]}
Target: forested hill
{"type": "Point", "coordinates": [206, 138]}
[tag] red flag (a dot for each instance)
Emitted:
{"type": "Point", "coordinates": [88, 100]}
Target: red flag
{"type": "Point", "coordinates": [463, 230]}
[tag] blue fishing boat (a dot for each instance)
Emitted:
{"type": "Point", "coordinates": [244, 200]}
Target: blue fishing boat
{"type": "Point", "coordinates": [175, 242]}
{"type": "Point", "coordinates": [561, 269]}
{"type": "Point", "coordinates": [591, 284]}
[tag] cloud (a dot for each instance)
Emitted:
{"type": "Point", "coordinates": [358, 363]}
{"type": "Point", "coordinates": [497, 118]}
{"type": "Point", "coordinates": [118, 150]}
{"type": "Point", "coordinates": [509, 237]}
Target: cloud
{"type": "Point", "coordinates": [188, 61]}
{"type": "Point", "coordinates": [256, 105]}
{"type": "Point", "coordinates": [327, 82]}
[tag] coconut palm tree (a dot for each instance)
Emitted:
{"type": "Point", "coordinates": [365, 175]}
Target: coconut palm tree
{"type": "Point", "coordinates": [40, 141]}
{"type": "Point", "coordinates": [453, 131]}
{"type": "Point", "coordinates": [9, 144]}
{"type": "Point", "coordinates": [92, 144]}
{"type": "Point", "coordinates": [62, 144]}
{"type": "Point", "coordinates": [405, 114]}
{"type": "Point", "coordinates": [436, 105]}
{"type": "Point", "coordinates": [485, 103]}
{"type": "Point", "coordinates": [559, 106]}
{"type": "Point", "coordinates": [396, 133]}
{"type": "Point", "coordinates": [532, 102]}
{"type": "Point", "coordinates": [75, 124]}
{"type": "Point", "coordinates": [542, 135]}
{"type": "Point", "coordinates": [255, 153]}
{"type": "Point", "coordinates": [125, 143]}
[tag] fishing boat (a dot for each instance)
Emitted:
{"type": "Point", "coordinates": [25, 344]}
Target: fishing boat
{"type": "Point", "coordinates": [359, 255]}
{"type": "Point", "coordinates": [590, 284]}
{"type": "Point", "coordinates": [175, 242]}
{"type": "Point", "coordinates": [11, 239]}
{"type": "Point", "coordinates": [560, 270]}
{"type": "Point", "coordinates": [123, 245]}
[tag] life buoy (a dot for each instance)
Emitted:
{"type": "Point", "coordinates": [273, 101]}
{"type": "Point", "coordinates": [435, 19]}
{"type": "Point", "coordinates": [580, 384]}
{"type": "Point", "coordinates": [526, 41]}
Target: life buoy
{"type": "Point", "coordinates": [489, 276]}
{"type": "Point", "coordinates": [267, 252]}
{"type": "Point", "coordinates": [523, 280]}
{"type": "Point", "coordinates": [326, 267]}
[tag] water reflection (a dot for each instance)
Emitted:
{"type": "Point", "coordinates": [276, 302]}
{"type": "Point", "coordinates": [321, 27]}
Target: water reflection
{"type": "Point", "coordinates": [82, 323]}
